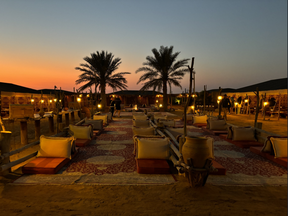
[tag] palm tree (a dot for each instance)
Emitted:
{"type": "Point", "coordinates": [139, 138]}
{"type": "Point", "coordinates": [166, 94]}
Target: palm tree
{"type": "Point", "coordinates": [162, 69]}
{"type": "Point", "coordinates": [100, 71]}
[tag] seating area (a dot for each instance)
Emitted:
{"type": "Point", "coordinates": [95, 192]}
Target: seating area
{"type": "Point", "coordinates": [274, 149]}
{"type": "Point", "coordinates": [241, 137]}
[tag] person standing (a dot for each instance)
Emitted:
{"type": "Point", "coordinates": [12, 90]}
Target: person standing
{"type": "Point", "coordinates": [226, 104]}
{"type": "Point", "coordinates": [112, 104]}
{"type": "Point", "coordinates": [118, 105]}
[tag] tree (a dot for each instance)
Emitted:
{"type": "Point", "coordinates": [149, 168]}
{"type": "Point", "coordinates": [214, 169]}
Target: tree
{"type": "Point", "coordinates": [162, 69]}
{"type": "Point", "coordinates": [100, 71]}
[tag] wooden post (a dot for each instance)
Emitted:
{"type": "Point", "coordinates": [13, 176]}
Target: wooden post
{"type": "Point", "coordinates": [219, 104]}
{"type": "Point", "coordinates": [51, 124]}
{"type": "Point", "coordinates": [279, 106]}
{"type": "Point", "coordinates": [5, 137]}
{"type": "Point", "coordinates": [23, 132]}
{"type": "Point", "coordinates": [72, 117]}
{"type": "Point", "coordinates": [257, 107]}
{"type": "Point", "coordinates": [187, 102]}
{"type": "Point", "coordinates": [67, 119]}
{"type": "Point", "coordinates": [37, 129]}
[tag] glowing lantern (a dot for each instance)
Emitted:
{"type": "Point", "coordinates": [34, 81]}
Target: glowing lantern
{"type": "Point", "coordinates": [218, 101]}
{"type": "Point", "coordinates": [99, 105]}
{"type": "Point", "coordinates": [160, 105]}
{"type": "Point", "coordinates": [42, 101]}
{"type": "Point", "coordinates": [55, 100]}
{"type": "Point", "coordinates": [220, 97]}
{"type": "Point", "coordinates": [156, 101]}
{"type": "Point", "coordinates": [265, 103]}
{"type": "Point", "coordinates": [32, 100]}
{"type": "Point", "coordinates": [50, 101]}
{"type": "Point", "coordinates": [246, 100]}
{"type": "Point", "coordinates": [79, 99]}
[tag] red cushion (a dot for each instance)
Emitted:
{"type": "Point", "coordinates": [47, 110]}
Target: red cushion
{"type": "Point", "coordinates": [200, 124]}
{"type": "Point", "coordinates": [82, 142]}
{"type": "Point", "coordinates": [152, 166]}
{"type": "Point", "coordinates": [221, 169]}
{"type": "Point", "coordinates": [44, 165]}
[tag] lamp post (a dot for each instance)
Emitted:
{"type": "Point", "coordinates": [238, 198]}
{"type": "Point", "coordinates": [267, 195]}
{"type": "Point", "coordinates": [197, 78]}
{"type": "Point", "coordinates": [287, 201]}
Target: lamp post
{"type": "Point", "coordinates": [219, 106]}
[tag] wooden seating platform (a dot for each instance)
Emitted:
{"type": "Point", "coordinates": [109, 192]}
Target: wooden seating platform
{"type": "Point", "coordinates": [152, 166]}
{"type": "Point", "coordinates": [214, 132]}
{"type": "Point", "coordinates": [279, 161]}
{"type": "Point", "coordinates": [242, 143]}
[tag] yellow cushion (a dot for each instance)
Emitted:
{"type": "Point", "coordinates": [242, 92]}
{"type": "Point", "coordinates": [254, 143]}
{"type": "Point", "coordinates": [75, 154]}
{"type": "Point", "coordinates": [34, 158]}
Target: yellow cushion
{"type": "Point", "coordinates": [279, 146]}
{"type": "Point", "coordinates": [81, 132]}
{"type": "Point", "coordinates": [217, 124]}
{"type": "Point", "coordinates": [141, 123]}
{"type": "Point", "coordinates": [103, 117]}
{"type": "Point", "coordinates": [153, 148]}
{"type": "Point", "coordinates": [245, 134]}
{"type": "Point", "coordinates": [140, 117]}
{"type": "Point", "coordinates": [268, 148]}
{"type": "Point", "coordinates": [210, 143]}
{"type": "Point", "coordinates": [143, 131]}
{"type": "Point", "coordinates": [200, 119]}
{"type": "Point", "coordinates": [55, 146]}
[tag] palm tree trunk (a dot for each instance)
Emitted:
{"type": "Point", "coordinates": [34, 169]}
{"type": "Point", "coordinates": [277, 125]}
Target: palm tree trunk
{"type": "Point", "coordinates": [165, 96]}
{"type": "Point", "coordinates": [103, 97]}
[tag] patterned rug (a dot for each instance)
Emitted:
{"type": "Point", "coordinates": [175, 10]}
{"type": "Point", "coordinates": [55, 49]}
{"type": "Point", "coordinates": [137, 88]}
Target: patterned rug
{"type": "Point", "coordinates": [109, 160]}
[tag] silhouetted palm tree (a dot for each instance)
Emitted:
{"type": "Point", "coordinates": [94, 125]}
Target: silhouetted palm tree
{"type": "Point", "coordinates": [100, 71]}
{"type": "Point", "coordinates": [162, 69]}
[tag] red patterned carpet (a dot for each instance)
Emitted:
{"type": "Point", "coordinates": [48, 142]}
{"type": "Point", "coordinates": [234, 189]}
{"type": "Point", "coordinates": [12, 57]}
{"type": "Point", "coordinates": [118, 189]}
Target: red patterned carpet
{"type": "Point", "coordinates": [109, 160]}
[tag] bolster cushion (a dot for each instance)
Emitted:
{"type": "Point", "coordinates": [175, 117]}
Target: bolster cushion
{"type": "Point", "coordinates": [81, 132]}
{"type": "Point", "coordinates": [141, 123]}
{"type": "Point", "coordinates": [55, 146]}
{"type": "Point", "coordinates": [143, 131]}
{"type": "Point", "coordinates": [153, 148]}
{"type": "Point", "coordinates": [243, 134]}
{"type": "Point", "coordinates": [200, 119]}
{"type": "Point", "coordinates": [279, 146]}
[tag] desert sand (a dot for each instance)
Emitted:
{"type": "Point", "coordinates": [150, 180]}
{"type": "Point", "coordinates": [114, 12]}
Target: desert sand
{"type": "Point", "coordinates": [171, 199]}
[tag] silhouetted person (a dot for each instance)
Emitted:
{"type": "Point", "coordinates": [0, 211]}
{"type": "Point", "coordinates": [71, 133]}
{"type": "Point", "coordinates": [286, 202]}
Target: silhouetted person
{"type": "Point", "coordinates": [118, 105]}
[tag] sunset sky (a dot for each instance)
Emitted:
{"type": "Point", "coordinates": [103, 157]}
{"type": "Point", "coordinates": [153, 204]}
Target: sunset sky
{"type": "Point", "coordinates": [235, 43]}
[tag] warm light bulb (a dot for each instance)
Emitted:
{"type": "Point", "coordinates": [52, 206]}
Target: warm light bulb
{"type": "Point", "coordinates": [79, 99]}
{"type": "Point", "coordinates": [99, 105]}
{"type": "Point", "coordinates": [55, 100]}
{"type": "Point", "coordinates": [50, 101]}
{"type": "Point", "coordinates": [265, 103]}
{"type": "Point", "coordinates": [156, 101]}
{"type": "Point", "coordinates": [80, 95]}
{"type": "Point", "coordinates": [236, 104]}
{"type": "Point", "coordinates": [246, 100]}
{"type": "Point", "coordinates": [218, 101]}
{"type": "Point", "coordinates": [219, 97]}
{"type": "Point", "coordinates": [160, 105]}
{"type": "Point", "coordinates": [60, 100]}
{"type": "Point", "coordinates": [88, 95]}
{"type": "Point", "coordinates": [192, 107]}
{"type": "Point", "coordinates": [32, 100]}
{"type": "Point", "coordinates": [42, 101]}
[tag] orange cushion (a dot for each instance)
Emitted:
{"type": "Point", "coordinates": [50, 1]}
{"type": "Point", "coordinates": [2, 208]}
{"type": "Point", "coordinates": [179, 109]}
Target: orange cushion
{"type": "Point", "coordinates": [44, 165]}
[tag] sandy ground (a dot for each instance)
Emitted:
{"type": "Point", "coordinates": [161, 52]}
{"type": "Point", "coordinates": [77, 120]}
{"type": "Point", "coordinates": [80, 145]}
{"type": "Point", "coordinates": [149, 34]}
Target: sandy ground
{"type": "Point", "coordinates": [174, 199]}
